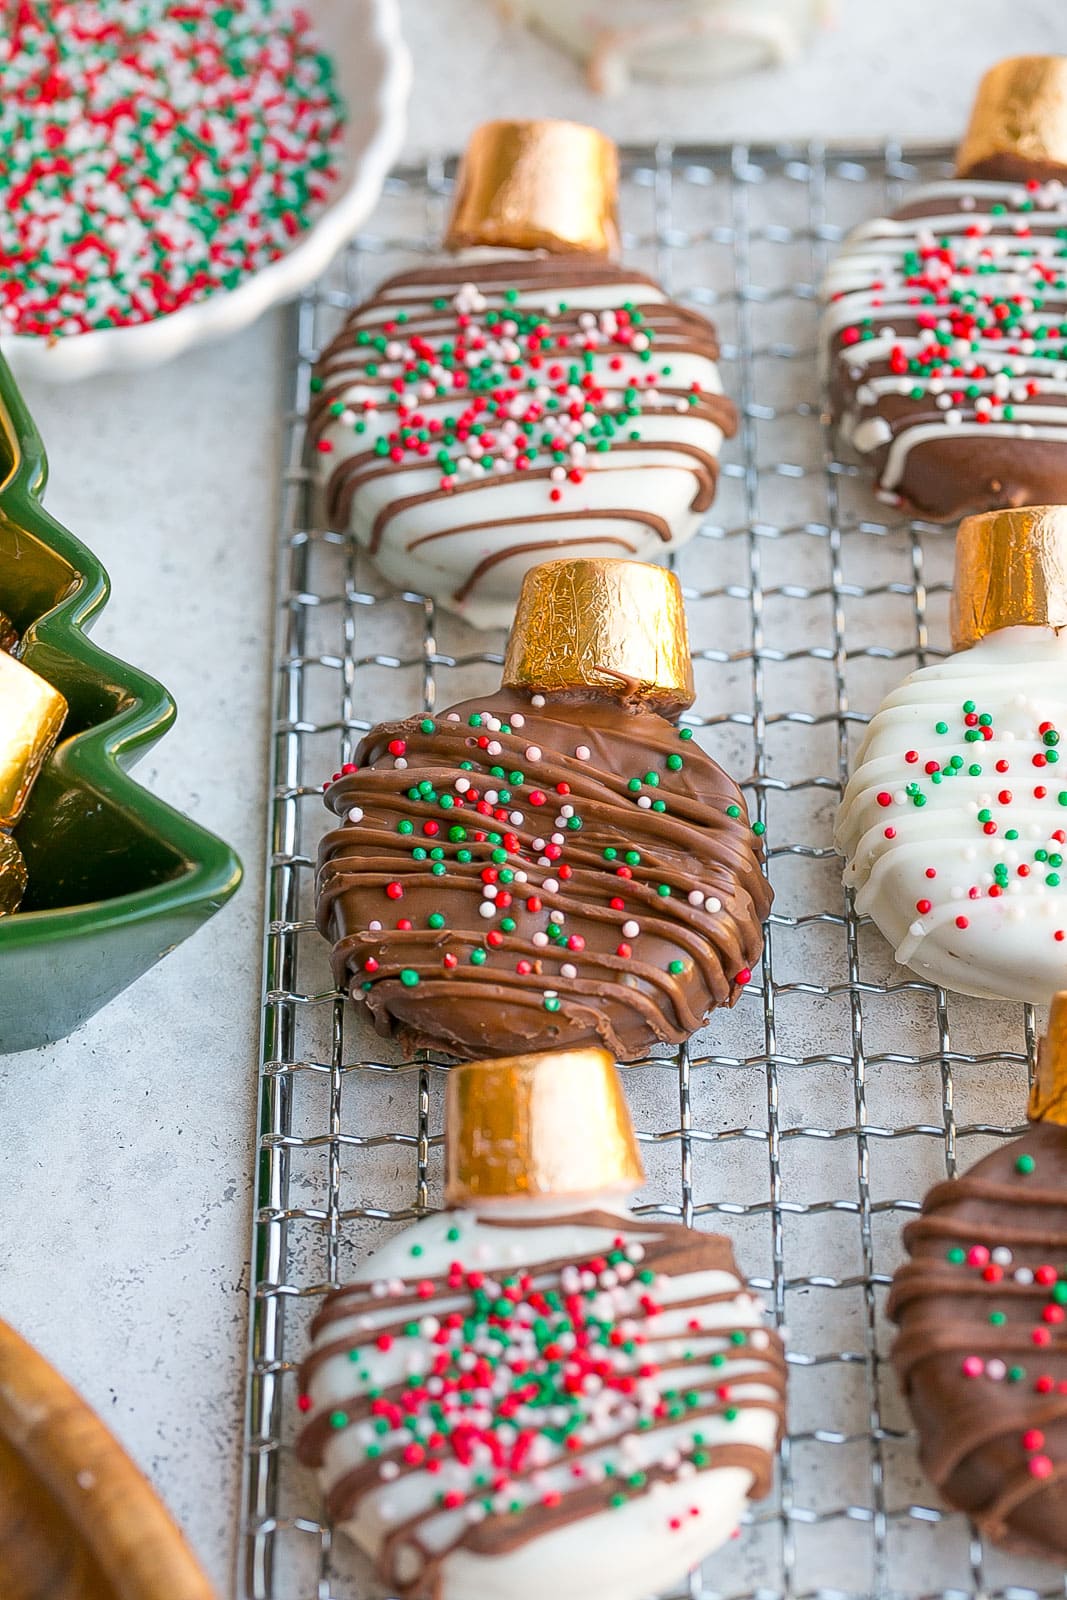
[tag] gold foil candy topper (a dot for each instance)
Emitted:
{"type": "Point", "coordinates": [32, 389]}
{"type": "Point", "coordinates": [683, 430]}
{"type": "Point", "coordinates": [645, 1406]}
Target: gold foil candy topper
{"type": "Point", "coordinates": [538, 1126]}
{"type": "Point", "coordinates": [544, 185]}
{"type": "Point", "coordinates": [1011, 568]}
{"type": "Point", "coordinates": [32, 713]}
{"type": "Point", "coordinates": [618, 627]}
{"type": "Point", "coordinates": [12, 875]}
{"type": "Point", "coordinates": [1018, 126]}
{"type": "Point", "coordinates": [1048, 1097]}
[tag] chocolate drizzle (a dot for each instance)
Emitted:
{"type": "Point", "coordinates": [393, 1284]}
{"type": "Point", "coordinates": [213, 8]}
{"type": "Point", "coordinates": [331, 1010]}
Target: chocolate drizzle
{"type": "Point", "coordinates": [565, 914]}
{"type": "Point", "coordinates": [947, 359]}
{"type": "Point", "coordinates": [412, 378]}
{"type": "Point", "coordinates": [982, 1350]}
{"type": "Point", "coordinates": [544, 1479]}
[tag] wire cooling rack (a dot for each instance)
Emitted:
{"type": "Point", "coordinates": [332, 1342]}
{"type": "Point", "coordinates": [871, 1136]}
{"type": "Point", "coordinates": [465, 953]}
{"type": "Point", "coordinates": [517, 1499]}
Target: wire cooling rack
{"type": "Point", "coordinates": [810, 1120]}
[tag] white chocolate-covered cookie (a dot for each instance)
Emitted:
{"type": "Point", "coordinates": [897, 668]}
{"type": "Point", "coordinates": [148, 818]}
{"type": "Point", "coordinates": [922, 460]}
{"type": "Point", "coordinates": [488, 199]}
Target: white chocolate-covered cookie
{"type": "Point", "coordinates": [533, 1402]}
{"type": "Point", "coordinates": [488, 412]}
{"type": "Point", "coordinates": [673, 39]}
{"type": "Point", "coordinates": [954, 821]}
{"type": "Point", "coordinates": [943, 342]}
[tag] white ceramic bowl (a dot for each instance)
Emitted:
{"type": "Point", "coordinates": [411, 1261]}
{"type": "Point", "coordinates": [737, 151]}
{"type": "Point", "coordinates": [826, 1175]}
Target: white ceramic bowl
{"type": "Point", "coordinates": [374, 76]}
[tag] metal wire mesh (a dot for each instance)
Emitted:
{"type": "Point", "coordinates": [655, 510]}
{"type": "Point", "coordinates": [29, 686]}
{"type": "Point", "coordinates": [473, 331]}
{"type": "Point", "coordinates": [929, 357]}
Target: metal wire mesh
{"type": "Point", "coordinates": [811, 1119]}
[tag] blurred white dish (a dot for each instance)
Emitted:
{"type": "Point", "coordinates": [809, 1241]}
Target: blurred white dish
{"type": "Point", "coordinates": [374, 75]}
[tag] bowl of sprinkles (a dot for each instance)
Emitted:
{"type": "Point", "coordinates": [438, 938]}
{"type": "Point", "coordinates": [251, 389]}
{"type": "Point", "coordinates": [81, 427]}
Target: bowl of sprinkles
{"type": "Point", "coordinates": [169, 169]}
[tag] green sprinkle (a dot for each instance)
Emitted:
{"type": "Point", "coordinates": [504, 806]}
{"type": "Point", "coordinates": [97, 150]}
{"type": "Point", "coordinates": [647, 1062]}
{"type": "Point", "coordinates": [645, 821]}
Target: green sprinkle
{"type": "Point", "coordinates": [409, 977]}
{"type": "Point", "coordinates": [1025, 1164]}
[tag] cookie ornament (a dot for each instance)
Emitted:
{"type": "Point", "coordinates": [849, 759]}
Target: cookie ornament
{"type": "Point", "coordinates": [533, 1392]}
{"type": "Point", "coordinates": [556, 864]}
{"type": "Point", "coordinates": [524, 395]}
{"type": "Point", "coordinates": [982, 1354]}
{"type": "Point", "coordinates": [944, 336]}
{"type": "Point", "coordinates": [954, 822]}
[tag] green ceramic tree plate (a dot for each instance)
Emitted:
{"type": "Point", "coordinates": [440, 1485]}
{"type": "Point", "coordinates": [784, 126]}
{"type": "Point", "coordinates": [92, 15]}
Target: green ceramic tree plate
{"type": "Point", "coordinates": [117, 878]}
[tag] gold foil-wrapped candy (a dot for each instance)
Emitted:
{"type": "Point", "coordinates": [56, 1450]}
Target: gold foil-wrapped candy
{"type": "Point", "coordinates": [12, 875]}
{"type": "Point", "coordinates": [1011, 568]}
{"type": "Point", "coordinates": [1048, 1097]}
{"type": "Point", "coordinates": [32, 713]}
{"type": "Point", "coordinates": [616, 626]}
{"type": "Point", "coordinates": [553, 1124]}
{"type": "Point", "coordinates": [1018, 127]}
{"type": "Point", "coordinates": [543, 185]}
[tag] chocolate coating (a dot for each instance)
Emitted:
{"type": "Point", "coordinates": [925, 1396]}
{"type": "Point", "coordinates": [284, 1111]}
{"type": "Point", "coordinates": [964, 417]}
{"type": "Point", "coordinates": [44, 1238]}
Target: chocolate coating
{"type": "Point", "coordinates": [652, 935]}
{"type": "Point", "coordinates": [946, 356]}
{"type": "Point", "coordinates": [994, 1443]}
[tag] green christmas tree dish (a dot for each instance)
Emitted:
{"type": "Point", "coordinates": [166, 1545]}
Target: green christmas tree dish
{"type": "Point", "coordinates": [117, 878]}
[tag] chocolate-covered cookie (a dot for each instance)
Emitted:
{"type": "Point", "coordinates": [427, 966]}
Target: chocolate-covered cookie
{"type": "Point", "coordinates": [488, 410]}
{"type": "Point", "coordinates": [533, 1392]}
{"type": "Point", "coordinates": [548, 867]}
{"type": "Point", "coordinates": [982, 1308]}
{"type": "Point", "coordinates": [944, 337]}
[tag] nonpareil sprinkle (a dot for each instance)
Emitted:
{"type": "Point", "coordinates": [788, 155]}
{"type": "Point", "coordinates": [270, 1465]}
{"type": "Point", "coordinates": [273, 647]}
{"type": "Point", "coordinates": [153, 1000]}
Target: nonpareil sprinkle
{"type": "Point", "coordinates": [154, 152]}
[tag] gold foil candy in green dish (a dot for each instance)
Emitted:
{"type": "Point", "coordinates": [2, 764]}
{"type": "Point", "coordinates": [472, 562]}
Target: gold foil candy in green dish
{"type": "Point", "coordinates": [115, 877]}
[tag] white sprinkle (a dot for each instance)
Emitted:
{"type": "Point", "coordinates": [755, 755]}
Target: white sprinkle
{"type": "Point", "coordinates": [540, 940]}
{"type": "Point", "coordinates": [537, 700]}
{"type": "Point", "coordinates": [533, 752]}
{"type": "Point", "coordinates": [631, 929]}
{"type": "Point", "coordinates": [582, 752]}
{"type": "Point", "coordinates": [518, 720]}
{"type": "Point", "coordinates": [712, 904]}
{"type": "Point", "coordinates": [568, 970]}
{"type": "Point", "coordinates": [400, 763]}
{"type": "Point", "coordinates": [356, 814]}
{"type": "Point", "coordinates": [487, 909]}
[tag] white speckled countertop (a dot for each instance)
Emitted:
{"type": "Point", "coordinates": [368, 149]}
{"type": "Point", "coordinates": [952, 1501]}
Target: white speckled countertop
{"type": "Point", "coordinates": [126, 1150]}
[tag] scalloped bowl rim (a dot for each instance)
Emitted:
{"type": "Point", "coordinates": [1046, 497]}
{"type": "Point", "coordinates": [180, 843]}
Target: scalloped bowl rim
{"type": "Point", "coordinates": [147, 344]}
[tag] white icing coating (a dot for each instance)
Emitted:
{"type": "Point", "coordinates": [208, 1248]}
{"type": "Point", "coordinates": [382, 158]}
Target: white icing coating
{"type": "Point", "coordinates": [436, 530]}
{"type": "Point", "coordinates": [992, 919]}
{"type": "Point", "coordinates": [933, 290]}
{"type": "Point", "coordinates": [621, 1552]}
{"type": "Point", "coordinates": [680, 39]}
